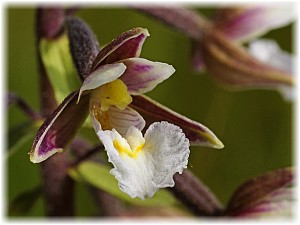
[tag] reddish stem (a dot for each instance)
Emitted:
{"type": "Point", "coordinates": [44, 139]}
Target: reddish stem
{"type": "Point", "coordinates": [58, 186]}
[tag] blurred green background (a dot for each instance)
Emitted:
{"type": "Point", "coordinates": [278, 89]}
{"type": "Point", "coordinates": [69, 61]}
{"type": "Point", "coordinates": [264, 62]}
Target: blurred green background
{"type": "Point", "coordinates": [255, 126]}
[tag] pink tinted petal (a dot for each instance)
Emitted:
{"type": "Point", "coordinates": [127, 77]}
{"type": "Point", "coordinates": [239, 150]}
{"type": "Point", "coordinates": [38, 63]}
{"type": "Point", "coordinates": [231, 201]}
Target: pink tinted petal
{"type": "Point", "coordinates": [244, 23]}
{"type": "Point", "coordinates": [143, 75]}
{"type": "Point", "coordinates": [58, 129]}
{"type": "Point", "coordinates": [121, 120]}
{"type": "Point", "coordinates": [127, 45]}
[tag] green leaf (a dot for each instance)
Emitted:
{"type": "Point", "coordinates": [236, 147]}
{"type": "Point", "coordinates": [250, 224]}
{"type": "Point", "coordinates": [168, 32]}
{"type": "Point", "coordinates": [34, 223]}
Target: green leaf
{"type": "Point", "coordinates": [59, 66]}
{"type": "Point", "coordinates": [99, 176]}
{"type": "Point", "coordinates": [24, 202]}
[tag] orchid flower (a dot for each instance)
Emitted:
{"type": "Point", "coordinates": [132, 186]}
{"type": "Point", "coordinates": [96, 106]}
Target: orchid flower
{"type": "Point", "coordinates": [228, 62]}
{"type": "Point", "coordinates": [115, 79]}
{"type": "Point", "coordinates": [142, 165]}
{"type": "Point", "coordinates": [245, 23]}
{"type": "Point", "coordinates": [241, 25]}
{"type": "Point", "coordinates": [116, 74]}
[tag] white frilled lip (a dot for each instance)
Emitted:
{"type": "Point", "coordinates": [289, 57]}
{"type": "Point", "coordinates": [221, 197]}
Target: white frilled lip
{"type": "Point", "coordinates": [164, 153]}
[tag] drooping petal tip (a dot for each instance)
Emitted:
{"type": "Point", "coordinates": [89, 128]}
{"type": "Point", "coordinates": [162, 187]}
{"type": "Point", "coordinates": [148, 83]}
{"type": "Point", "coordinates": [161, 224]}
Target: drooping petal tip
{"type": "Point", "coordinates": [35, 157]}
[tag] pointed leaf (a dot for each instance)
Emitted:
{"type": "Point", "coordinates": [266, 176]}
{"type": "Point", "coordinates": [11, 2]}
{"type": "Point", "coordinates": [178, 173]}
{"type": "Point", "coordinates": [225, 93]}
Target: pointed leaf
{"type": "Point", "coordinates": [257, 189]}
{"type": "Point", "coordinates": [196, 133]}
{"type": "Point", "coordinates": [58, 63]}
{"type": "Point", "coordinates": [126, 45]}
{"type": "Point", "coordinates": [100, 177]}
{"type": "Point", "coordinates": [58, 129]}
{"type": "Point", "coordinates": [142, 75]}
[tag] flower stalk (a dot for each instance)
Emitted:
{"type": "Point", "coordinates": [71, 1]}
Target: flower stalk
{"type": "Point", "coordinates": [189, 22]}
{"type": "Point", "coordinates": [195, 195]}
{"type": "Point", "coordinates": [58, 186]}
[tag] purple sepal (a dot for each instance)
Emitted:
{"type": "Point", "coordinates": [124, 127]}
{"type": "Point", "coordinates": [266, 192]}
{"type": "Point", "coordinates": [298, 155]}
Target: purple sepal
{"type": "Point", "coordinates": [197, 133]}
{"type": "Point", "coordinates": [58, 129]}
{"type": "Point", "coordinates": [126, 45]}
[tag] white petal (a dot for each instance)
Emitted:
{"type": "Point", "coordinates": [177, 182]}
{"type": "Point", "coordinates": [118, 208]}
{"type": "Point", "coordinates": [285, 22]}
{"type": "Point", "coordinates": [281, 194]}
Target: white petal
{"type": "Point", "coordinates": [103, 75]}
{"type": "Point", "coordinates": [168, 149]}
{"type": "Point", "coordinates": [132, 173]}
{"type": "Point", "coordinates": [165, 152]}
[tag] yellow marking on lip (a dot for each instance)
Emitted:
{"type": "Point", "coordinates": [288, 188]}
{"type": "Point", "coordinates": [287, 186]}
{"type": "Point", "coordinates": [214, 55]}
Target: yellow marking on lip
{"type": "Point", "coordinates": [127, 151]}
